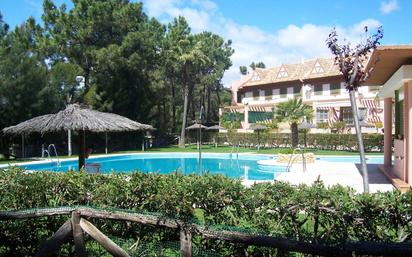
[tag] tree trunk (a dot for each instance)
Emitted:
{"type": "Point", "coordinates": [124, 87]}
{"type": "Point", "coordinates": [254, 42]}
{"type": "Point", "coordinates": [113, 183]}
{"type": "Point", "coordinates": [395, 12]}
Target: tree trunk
{"type": "Point", "coordinates": [208, 118]}
{"type": "Point", "coordinates": [192, 106]}
{"type": "Point", "coordinates": [364, 168]}
{"type": "Point", "coordinates": [294, 134]}
{"type": "Point", "coordinates": [185, 105]}
{"type": "Point", "coordinates": [218, 96]}
{"type": "Point", "coordinates": [82, 149]}
{"type": "Point", "coordinates": [173, 106]}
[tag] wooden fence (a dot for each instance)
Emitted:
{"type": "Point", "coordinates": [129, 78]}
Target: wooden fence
{"type": "Point", "coordinates": [77, 225]}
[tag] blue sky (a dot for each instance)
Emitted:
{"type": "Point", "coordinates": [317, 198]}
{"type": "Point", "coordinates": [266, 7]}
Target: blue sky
{"type": "Point", "coordinates": [271, 31]}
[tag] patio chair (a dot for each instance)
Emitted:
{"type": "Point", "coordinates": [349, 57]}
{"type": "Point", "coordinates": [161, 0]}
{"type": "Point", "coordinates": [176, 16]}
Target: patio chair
{"type": "Point", "coordinates": [93, 168]}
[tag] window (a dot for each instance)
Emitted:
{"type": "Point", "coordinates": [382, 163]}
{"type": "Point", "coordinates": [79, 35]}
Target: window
{"type": "Point", "coordinates": [322, 115]}
{"type": "Point", "coordinates": [268, 94]}
{"type": "Point", "coordinates": [261, 94]}
{"type": "Point", "coordinates": [318, 90]}
{"type": "Point", "coordinates": [275, 93]}
{"type": "Point", "coordinates": [256, 94]}
{"type": "Point", "coordinates": [335, 89]}
{"type": "Point", "coordinates": [297, 91]}
{"type": "Point", "coordinates": [363, 114]}
{"type": "Point", "coordinates": [347, 116]}
{"type": "Point", "coordinates": [240, 97]}
{"type": "Point", "coordinates": [283, 92]}
{"type": "Point", "coordinates": [290, 92]}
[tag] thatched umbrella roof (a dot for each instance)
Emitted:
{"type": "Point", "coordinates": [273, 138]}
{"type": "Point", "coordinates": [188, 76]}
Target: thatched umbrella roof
{"type": "Point", "coordinates": [77, 117]}
{"type": "Point", "coordinates": [196, 126]}
{"type": "Point", "coordinates": [215, 127]}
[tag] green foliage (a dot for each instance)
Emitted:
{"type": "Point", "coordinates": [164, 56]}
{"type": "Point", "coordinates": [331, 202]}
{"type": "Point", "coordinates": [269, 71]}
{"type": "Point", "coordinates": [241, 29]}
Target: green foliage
{"type": "Point", "coordinates": [254, 65]}
{"type": "Point", "coordinates": [286, 151]}
{"type": "Point", "coordinates": [347, 142]}
{"type": "Point", "coordinates": [322, 125]}
{"type": "Point", "coordinates": [339, 126]}
{"type": "Point", "coordinates": [293, 112]}
{"type": "Point", "coordinates": [132, 65]}
{"type": "Point", "coordinates": [243, 70]}
{"type": "Point", "coordinates": [310, 213]}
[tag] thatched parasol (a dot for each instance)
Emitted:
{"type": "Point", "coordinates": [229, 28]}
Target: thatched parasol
{"type": "Point", "coordinates": [79, 118]}
{"type": "Point", "coordinates": [196, 126]}
{"type": "Point", "coordinates": [215, 127]}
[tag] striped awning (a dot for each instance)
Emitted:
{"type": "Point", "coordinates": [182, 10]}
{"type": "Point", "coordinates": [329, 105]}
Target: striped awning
{"type": "Point", "coordinates": [232, 110]}
{"type": "Point", "coordinates": [374, 119]}
{"type": "Point", "coordinates": [323, 108]}
{"type": "Point", "coordinates": [373, 110]}
{"type": "Point", "coordinates": [333, 116]}
{"type": "Point", "coordinates": [266, 121]}
{"type": "Point", "coordinates": [369, 103]}
{"type": "Point", "coordinates": [257, 109]}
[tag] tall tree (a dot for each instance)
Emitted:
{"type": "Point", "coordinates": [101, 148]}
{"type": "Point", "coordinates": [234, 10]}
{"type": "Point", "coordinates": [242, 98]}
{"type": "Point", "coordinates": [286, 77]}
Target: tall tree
{"type": "Point", "coordinates": [243, 70]}
{"type": "Point", "coordinates": [254, 65]}
{"type": "Point", "coordinates": [89, 26]}
{"type": "Point", "coordinates": [24, 91]}
{"type": "Point", "coordinates": [177, 30]}
{"type": "Point", "coordinates": [189, 54]}
{"type": "Point", "coordinates": [293, 111]}
{"type": "Point", "coordinates": [210, 73]}
{"type": "Point", "coordinates": [351, 62]}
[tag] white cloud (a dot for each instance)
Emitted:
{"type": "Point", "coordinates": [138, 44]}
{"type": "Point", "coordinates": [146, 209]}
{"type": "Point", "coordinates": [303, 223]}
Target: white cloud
{"type": "Point", "coordinates": [287, 45]}
{"type": "Point", "coordinates": [390, 6]}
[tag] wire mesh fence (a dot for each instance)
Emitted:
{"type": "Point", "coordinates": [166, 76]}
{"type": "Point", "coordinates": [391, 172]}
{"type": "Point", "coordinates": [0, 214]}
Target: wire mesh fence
{"type": "Point", "coordinates": [151, 234]}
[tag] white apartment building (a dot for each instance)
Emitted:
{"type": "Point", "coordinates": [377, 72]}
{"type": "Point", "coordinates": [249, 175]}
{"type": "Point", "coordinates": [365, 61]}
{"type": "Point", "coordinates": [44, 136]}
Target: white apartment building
{"type": "Point", "coordinates": [317, 82]}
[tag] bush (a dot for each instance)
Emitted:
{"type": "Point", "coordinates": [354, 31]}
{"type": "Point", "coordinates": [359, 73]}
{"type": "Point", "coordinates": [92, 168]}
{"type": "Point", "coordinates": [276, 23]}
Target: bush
{"type": "Point", "coordinates": [332, 216]}
{"type": "Point", "coordinates": [348, 142]}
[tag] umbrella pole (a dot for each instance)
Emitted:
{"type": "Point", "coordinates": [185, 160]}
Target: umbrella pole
{"type": "Point", "coordinates": [22, 146]}
{"type": "Point", "coordinates": [200, 151]}
{"type": "Point", "coordinates": [82, 148]}
{"type": "Point", "coordinates": [105, 149]}
{"type": "Point", "coordinates": [69, 142]}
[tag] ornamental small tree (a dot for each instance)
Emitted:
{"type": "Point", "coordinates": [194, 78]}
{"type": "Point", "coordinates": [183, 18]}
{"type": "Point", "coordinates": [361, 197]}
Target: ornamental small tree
{"type": "Point", "coordinates": [351, 61]}
{"type": "Point", "coordinates": [293, 112]}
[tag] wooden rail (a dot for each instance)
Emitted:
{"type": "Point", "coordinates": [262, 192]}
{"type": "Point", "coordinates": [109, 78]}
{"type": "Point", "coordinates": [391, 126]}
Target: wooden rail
{"type": "Point", "coordinates": [77, 225]}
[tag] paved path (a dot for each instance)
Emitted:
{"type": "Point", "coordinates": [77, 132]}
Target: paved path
{"type": "Point", "coordinates": [333, 173]}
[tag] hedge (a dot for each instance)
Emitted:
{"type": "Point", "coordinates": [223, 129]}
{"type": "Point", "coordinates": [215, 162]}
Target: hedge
{"type": "Point", "coordinates": [348, 142]}
{"type": "Point", "coordinates": [310, 213]}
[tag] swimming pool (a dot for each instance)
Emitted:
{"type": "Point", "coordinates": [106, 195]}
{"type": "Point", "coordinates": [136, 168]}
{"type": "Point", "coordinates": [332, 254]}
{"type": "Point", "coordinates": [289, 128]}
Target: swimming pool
{"type": "Point", "coordinates": [242, 166]}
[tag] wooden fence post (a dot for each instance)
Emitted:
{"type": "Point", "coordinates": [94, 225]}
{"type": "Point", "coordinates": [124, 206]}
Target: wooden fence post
{"type": "Point", "coordinates": [78, 235]}
{"type": "Point", "coordinates": [102, 239]}
{"type": "Point", "coordinates": [185, 243]}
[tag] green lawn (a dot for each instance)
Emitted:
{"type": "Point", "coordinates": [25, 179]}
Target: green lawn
{"type": "Point", "coordinates": [212, 149]}
{"type": "Point", "coordinates": [228, 149]}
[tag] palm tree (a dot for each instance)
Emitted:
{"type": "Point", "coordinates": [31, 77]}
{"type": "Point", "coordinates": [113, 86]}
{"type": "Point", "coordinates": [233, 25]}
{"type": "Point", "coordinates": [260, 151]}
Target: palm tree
{"type": "Point", "coordinates": [293, 111]}
{"type": "Point", "coordinates": [189, 54]}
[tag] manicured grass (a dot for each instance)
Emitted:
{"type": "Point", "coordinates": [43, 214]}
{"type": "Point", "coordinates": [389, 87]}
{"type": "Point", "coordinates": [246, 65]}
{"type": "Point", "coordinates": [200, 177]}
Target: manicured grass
{"type": "Point", "coordinates": [213, 149]}
{"type": "Point", "coordinates": [228, 149]}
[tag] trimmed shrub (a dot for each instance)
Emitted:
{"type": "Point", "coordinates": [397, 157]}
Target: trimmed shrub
{"type": "Point", "coordinates": [348, 142]}
{"type": "Point", "coordinates": [311, 213]}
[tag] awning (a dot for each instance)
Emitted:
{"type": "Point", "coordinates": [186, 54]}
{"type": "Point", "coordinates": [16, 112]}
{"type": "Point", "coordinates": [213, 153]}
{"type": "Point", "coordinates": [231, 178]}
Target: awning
{"type": "Point", "coordinates": [369, 103]}
{"type": "Point", "coordinates": [257, 109]}
{"type": "Point", "coordinates": [333, 116]}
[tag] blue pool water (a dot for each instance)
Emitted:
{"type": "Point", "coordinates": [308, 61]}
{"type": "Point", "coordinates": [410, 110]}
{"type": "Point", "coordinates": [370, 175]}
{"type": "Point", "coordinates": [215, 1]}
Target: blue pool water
{"type": "Point", "coordinates": [243, 166]}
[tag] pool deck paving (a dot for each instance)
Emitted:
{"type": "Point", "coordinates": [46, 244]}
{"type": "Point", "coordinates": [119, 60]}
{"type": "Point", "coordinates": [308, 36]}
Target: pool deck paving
{"type": "Point", "coordinates": [335, 173]}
